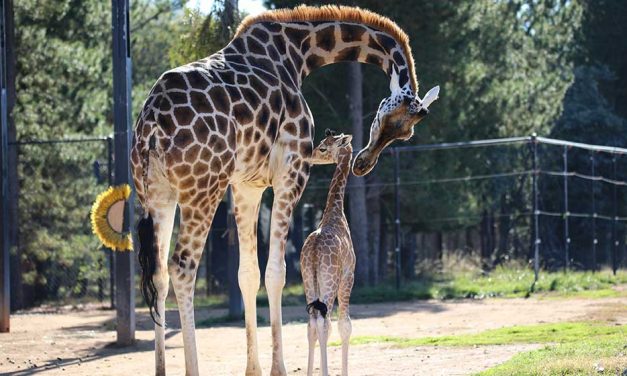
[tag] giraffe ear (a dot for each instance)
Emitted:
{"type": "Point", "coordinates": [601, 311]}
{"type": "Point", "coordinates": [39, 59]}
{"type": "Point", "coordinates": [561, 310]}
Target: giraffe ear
{"type": "Point", "coordinates": [345, 139]}
{"type": "Point", "coordinates": [394, 84]}
{"type": "Point", "coordinates": [431, 96]}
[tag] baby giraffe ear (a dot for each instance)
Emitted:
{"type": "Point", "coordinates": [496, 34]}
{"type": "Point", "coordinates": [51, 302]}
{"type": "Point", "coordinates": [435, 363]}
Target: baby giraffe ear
{"type": "Point", "coordinates": [345, 139]}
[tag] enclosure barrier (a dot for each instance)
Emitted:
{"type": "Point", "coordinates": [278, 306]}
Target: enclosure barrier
{"type": "Point", "coordinates": [537, 212]}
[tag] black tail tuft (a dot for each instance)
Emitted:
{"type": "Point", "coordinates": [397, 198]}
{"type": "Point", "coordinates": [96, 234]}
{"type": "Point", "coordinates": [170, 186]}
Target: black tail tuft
{"type": "Point", "coordinates": [148, 262]}
{"type": "Point", "coordinates": [318, 305]}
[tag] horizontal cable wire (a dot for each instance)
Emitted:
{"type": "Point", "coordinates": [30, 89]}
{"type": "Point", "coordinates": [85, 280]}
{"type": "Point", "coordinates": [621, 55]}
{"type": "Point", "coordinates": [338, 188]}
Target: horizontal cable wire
{"type": "Point", "coordinates": [584, 176]}
{"type": "Point", "coordinates": [434, 181]}
{"type": "Point", "coordinates": [581, 215]}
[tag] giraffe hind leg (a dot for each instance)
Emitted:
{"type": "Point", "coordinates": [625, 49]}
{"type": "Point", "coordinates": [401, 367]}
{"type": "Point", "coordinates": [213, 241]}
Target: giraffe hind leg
{"type": "Point", "coordinates": [155, 232]}
{"type": "Point", "coordinates": [183, 265]}
{"type": "Point", "coordinates": [344, 325]}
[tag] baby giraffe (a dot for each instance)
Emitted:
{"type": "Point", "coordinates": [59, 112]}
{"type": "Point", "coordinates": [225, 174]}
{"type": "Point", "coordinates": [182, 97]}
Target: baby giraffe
{"type": "Point", "coordinates": [327, 260]}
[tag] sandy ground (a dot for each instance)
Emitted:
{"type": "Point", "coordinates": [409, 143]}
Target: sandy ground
{"type": "Point", "coordinates": [80, 342]}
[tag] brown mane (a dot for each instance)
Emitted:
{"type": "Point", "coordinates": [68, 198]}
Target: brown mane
{"type": "Point", "coordinates": [338, 13]}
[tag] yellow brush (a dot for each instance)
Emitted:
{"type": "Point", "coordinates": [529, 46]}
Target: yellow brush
{"type": "Point", "coordinates": [107, 218]}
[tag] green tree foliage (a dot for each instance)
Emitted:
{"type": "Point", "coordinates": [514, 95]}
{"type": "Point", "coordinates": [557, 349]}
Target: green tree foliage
{"type": "Point", "coordinates": [504, 68]}
{"type": "Point", "coordinates": [64, 86]}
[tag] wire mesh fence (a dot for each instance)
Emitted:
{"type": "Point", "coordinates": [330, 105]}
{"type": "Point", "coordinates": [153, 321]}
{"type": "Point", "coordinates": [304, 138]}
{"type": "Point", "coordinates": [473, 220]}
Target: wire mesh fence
{"type": "Point", "coordinates": [494, 200]}
{"type": "Point", "coordinates": [490, 200]}
{"type": "Point", "coordinates": [59, 259]}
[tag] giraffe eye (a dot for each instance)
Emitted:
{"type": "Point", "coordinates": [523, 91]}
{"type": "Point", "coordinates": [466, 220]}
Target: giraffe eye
{"type": "Point", "coordinates": [323, 150]}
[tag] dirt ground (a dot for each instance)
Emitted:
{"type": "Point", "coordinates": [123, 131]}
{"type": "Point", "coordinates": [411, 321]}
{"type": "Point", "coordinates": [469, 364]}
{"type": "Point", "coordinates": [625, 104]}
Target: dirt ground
{"type": "Point", "coordinates": [80, 342]}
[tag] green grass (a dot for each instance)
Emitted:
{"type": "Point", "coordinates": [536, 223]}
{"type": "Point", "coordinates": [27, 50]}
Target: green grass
{"type": "Point", "coordinates": [542, 333]}
{"type": "Point", "coordinates": [515, 282]}
{"type": "Point", "coordinates": [506, 282]}
{"type": "Point", "coordinates": [578, 348]}
{"type": "Point", "coordinates": [604, 356]}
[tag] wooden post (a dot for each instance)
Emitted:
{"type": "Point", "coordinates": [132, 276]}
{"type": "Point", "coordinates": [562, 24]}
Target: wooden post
{"type": "Point", "coordinates": [6, 45]}
{"type": "Point", "coordinates": [124, 261]}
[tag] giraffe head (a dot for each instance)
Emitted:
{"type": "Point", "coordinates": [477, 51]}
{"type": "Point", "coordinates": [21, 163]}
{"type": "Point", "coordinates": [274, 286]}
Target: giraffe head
{"type": "Point", "coordinates": [395, 120]}
{"type": "Point", "coordinates": [331, 148]}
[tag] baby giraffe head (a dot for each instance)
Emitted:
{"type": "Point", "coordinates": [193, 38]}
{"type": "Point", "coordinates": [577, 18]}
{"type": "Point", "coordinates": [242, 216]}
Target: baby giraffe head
{"type": "Point", "coordinates": [331, 148]}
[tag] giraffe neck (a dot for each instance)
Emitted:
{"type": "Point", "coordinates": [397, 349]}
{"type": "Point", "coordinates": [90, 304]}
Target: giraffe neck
{"type": "Point", "coordinates": [292, 50]}
{"type": "Point", "coordinates": [335, 198]}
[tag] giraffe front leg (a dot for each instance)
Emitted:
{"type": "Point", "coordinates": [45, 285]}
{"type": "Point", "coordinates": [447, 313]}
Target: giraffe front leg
{"type": "Point", "coordinates": [183, 266]}
{"type": "Point", "coordinates": [247, 200]}
{"type": "Point", "coordinates": [285, 200]}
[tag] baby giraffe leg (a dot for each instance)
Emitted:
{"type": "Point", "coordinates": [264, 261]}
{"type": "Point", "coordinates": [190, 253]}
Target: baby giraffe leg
{"type": "Point", "coordinates": [345, 328]}
{"type": "Point", "coordinates": [344, 321]}
{"type": "Point", "coordinates": [322, 328]}
{"type": "Point", "coordinates": [312, 337]}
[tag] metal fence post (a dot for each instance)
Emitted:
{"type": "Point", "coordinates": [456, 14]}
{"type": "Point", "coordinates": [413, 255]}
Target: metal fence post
{"type": "Point", "coordinates": [536, 211]}
{"type": "Point", "coordinates": [397, 220]}
{"type": "Point", "coordinates": [5, 281]}
{"type": "Point", "coordinates": [111, 259]}
{"type": "Point", "coordinates": [566, 214]}
{"type": "Point", "coordinates": [594, 216]}
{"type": "Point", "coordinates": [615, 241]}
{"type": "Point", "coordinates": [125, 261]}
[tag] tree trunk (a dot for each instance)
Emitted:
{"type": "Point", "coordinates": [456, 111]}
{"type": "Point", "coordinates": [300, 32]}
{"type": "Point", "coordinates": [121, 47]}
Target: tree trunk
{"type": "Point", "coordinates": [408, 255]}
{"type": "Point", "coordinates": [374, 228]}
{"type": "Point", "coordinates": [357, 189]}
{"type": "Point", "coordinates": [228, 20]}
{"type": "Point", "coordinates": [439, 240]}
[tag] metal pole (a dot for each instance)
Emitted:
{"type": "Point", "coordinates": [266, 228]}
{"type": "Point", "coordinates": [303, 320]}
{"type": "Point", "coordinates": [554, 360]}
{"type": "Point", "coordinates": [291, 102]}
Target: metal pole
{"type": "Point", "coordinates": [566, 213]}
{"type": "Point", "coordinates": [111, 260]}
{"type": "Point", "coordinates": [5, 284]}
{"type": "Point", "coordinates": [536, 211]}
{"type": "Point", "coordinates": [615, 222]}
{"type": "Point", "coordinates": [397, 221]}
{"type": "Point", "coordinates": [124, 261]}
{"type": "Point", "coordinates": [594, 217]}
{"type": "Point", "coordinates": [236, 305]}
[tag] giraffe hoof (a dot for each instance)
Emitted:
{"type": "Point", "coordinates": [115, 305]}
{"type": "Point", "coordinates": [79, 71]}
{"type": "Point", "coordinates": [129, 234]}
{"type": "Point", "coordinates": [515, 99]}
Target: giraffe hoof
{"type": "Point", "coordinates": [278, 370]}
{"type": "Point", "coordinates": [253, 371]}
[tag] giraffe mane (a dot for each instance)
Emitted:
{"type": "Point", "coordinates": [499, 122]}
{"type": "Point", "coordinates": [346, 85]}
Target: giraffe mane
{"type": "Point", "coordinates": [303, 13]}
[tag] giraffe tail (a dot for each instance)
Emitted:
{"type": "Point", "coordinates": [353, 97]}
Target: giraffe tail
{"type": "Point", "coordinates": [318, 306]}
{"type": "Point", "coordinates": [148, 261]}
{"type": "Point", "coordinates": [148, 252]}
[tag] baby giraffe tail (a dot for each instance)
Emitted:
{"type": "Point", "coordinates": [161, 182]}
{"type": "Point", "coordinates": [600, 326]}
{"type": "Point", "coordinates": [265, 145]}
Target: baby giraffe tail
{"type": "Point", "coordinates": [319, 306]}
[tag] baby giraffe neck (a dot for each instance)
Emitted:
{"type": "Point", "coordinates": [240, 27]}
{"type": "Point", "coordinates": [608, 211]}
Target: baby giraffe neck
{"type": "Point", "coordinates": [335, 198]}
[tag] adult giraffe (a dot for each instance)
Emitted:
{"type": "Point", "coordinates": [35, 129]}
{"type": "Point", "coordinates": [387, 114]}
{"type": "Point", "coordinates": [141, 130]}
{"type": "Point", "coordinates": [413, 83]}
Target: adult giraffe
{"type": "Point", "coordinates": [239, 118]}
